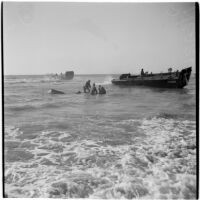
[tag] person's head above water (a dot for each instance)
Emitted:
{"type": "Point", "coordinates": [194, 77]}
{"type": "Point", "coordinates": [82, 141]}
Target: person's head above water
{"type": "Point", "coordinates": [93, 84]}
{"type": "Point", "coordinates": [99, 86]}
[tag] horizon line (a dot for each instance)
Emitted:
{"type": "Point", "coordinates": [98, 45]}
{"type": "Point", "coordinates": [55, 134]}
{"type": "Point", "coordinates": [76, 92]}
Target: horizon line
{"type": "Point", "coordinates": [58, 74]}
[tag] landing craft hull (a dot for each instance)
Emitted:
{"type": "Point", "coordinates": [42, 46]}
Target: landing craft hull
{"type": "Point", "coordinates": [165, 80]}
{"type": "Point", "coordinates": [150, 83]}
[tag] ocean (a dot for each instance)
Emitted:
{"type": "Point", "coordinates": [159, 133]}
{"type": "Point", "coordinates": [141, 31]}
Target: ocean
{"type": "Point", "coordinates": [133, 142]}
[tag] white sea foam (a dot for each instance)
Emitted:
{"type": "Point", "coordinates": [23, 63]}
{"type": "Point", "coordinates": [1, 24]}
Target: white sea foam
{"type": "Point", "coordinates": [157, 162]}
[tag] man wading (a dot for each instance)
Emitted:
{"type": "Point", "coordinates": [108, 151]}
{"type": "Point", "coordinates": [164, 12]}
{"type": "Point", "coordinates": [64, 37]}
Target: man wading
{"type": "Point", "coordinates": [94, 90]}
{"type": "Point", "coordinates": [86, 87]}
{"type": "Point", "coordinates": [102, 90]}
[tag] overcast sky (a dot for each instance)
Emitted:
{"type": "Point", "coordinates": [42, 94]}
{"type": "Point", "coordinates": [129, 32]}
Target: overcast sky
{"type": "Point", "coordinates": [98, 38]}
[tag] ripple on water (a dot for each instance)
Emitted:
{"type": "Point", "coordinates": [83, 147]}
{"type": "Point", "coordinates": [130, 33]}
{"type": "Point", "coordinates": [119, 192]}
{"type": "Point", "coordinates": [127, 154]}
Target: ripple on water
{"type": "Point", "coordinates": [18, 155]}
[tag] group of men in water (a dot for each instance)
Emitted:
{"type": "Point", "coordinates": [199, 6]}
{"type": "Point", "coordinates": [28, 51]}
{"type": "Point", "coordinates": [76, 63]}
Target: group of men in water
{"type": "Point", "coordinates": [93, 90]}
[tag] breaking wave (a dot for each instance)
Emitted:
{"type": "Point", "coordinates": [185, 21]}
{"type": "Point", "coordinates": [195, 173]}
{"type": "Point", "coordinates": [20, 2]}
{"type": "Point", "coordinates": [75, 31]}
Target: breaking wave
{"type": "Point", "coordinates": [58, 164]}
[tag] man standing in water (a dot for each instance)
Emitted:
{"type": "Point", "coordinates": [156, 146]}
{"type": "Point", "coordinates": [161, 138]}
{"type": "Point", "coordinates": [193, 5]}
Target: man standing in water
{"type": "Point", "coordinates": [94, 90]}
{"type": "Point", "coordinates": [87, 87]}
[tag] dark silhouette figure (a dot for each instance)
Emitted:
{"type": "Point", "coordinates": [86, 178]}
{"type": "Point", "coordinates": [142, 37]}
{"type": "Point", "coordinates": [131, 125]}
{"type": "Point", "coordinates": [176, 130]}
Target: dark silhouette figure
{"type": "Point", "coordinates": [142, 72]}
{"type": "Point", "coordinates": [86, 87]}
{"type": "Point", "coordinates": [102, 90]}
{"type": "Point", "coordinates": [94, 90]}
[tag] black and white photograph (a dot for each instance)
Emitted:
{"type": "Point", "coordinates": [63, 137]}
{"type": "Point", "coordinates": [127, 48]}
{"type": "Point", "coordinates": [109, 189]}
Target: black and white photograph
{"type": "Point", "coordinates": [99, 100]}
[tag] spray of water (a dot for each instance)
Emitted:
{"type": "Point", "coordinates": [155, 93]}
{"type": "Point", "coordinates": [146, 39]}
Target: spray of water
{"type": "Point", "coordinates": [106, 81]}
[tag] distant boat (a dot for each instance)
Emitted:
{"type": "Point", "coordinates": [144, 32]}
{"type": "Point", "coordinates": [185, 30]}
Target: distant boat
{"type": "Point", "coordinates": [163, 80]}
{"type": "Point", "coordinates": [68, 75]}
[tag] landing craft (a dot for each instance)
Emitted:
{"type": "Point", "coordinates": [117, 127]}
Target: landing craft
{"type": "Point", "coordinates": [162, 80]}
{"type": "Point", "coordinates": [68, 75]}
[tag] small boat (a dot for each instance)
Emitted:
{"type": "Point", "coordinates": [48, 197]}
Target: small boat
{"type": "Point", "coordinates": [68, 75]}
{"type": "Point", "coordinates": [163, 80]}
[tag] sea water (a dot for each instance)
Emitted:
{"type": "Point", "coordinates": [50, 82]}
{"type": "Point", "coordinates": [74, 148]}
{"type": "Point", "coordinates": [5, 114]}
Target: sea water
{"type": "Point", "coordinates": [133, 142]}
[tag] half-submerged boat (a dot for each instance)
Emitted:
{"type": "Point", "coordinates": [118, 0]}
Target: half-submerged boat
{"type": "Point", "coordinates": [163, 80]}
